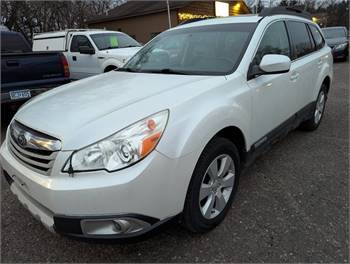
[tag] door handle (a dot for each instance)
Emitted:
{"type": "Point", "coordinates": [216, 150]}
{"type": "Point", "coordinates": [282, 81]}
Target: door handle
{"type": "Point", "coordinates": [294, 76]}
{"type": "Point", "coordinates": [12, 63]}
{"type": "Point", "coordinates": [74, 58]}
{"type": "Point", "coordinates": [319, 63]}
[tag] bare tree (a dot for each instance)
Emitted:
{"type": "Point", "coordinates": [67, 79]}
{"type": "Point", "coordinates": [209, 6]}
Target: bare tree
{"type": "Point", "coordinates": [30, 17]}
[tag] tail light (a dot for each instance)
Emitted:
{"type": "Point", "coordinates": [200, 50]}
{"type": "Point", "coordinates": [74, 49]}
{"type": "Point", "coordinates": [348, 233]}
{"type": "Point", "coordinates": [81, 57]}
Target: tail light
{"type": "Point", "coordinates": [65, 66]}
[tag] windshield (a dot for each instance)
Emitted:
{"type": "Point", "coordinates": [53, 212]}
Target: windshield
{"type": "Point", "coordinates": [106, 41]}
{"type": "Point", "coordinates": [334, 33]}
{"type": "Point", "coordinates": [204, 50]}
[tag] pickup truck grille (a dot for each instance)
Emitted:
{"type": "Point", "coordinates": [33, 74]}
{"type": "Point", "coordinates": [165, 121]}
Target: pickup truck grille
{"type": "Point", "coordinates": [33, 149]}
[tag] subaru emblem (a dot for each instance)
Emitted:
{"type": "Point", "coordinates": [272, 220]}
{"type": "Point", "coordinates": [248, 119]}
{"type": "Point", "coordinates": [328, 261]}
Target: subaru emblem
{"type": "Point", "coordinates": [21, 140]}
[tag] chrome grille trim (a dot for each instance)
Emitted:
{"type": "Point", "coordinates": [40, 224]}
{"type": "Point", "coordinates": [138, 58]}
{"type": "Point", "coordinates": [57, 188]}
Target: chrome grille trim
{"type": "Point", "coordinates": [35, 155]}
{"type": "Point", "coordinates": [36, 159]}
{"type": "Point", "coordinates": [32, 162]}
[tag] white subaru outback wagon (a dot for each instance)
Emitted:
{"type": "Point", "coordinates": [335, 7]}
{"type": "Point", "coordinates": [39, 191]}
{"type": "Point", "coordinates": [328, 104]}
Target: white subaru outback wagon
{"type": "Point", "coordinates": [117, 154]}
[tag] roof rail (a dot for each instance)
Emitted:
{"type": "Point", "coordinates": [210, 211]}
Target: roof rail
{"type": "Point", "coordinates": [285, 10]}
{"type": "Point", "coordinates": [195, 20]}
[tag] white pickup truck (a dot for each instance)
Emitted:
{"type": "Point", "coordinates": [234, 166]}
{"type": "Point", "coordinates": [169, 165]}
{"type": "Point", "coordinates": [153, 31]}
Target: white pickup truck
{"type": "Point", "coordinates": [89, 52]}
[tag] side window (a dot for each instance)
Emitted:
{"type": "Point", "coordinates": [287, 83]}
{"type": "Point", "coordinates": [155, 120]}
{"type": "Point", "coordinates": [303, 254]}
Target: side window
{"type": "Point", "coordinates": [78, 41]}
{"type": "Point", "coordinates": [274, 41]}
{"type": "Point", "coordinates": [302, 44]}
{"type": "Point", "coordinates": [316, 34]}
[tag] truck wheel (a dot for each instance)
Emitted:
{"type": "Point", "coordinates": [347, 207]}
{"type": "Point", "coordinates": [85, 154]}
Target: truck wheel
{"type": "Point", "coordinates": [213, 186]}
{"type": "Point", "coordinates": [110, 68]}
{"type": "Point", "coordinates": [313, 123]}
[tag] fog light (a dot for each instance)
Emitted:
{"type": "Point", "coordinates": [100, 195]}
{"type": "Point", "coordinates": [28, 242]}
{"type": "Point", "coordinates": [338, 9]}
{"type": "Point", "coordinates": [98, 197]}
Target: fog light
{"type": "Point", "coordinates": [116, 226]}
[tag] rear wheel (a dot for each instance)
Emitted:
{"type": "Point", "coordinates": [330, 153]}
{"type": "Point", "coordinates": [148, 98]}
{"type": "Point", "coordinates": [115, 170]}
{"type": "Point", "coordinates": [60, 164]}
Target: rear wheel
{"type": "Point", "coordinates": [313, 123]}
{"type": "Point", "coordinates": [213, 186]}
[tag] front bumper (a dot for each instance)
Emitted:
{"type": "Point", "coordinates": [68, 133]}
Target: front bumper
{"type": "Point", "coordinates": [148, 193]}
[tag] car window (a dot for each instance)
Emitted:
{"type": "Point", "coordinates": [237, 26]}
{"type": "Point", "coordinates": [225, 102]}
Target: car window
{"type": "Point", "coordinates": [202, 50]}
{"type": "Point", "coordinates": [319, 41]}
{"type": "Point", "coordinates": [334, 33]}
{"type": "Point", "coordinates": [301, 41]}
{"type": "Point", "coordinates": [13, 43]}
{"type": "Point", "coordinates": [275, 41]}
{"type": "Point", "coordinates": [79, 41]}
{"type": "Point", "coordinates": [105, 41]}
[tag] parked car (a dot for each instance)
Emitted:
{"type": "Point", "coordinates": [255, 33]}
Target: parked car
{"type": "Point", "coordinates": [89, 52]}
{"type": "Point", "coordinates": [337, 38]}
{"type": "Point", "coordinates": [168, 134]}
{"type": "Point", "coordinates": [24, 73]}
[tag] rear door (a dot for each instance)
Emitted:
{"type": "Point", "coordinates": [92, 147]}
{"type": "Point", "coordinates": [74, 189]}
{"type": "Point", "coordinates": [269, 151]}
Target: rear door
{"type": "Point", "coordinates": [319, 59]}
{"type": "Point", "coordinates": [273, 95]}
{"type": "Point", "coordinates": [82, 65]}
{"type": "Point", "coordinates": [304, 66]}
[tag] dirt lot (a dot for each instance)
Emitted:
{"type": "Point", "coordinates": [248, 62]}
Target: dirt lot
{"type": "Point", "coordinates": [292, 206]}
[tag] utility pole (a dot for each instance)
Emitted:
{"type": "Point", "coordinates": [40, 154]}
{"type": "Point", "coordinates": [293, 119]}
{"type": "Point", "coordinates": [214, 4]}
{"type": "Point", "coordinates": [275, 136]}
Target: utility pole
{"type": "Point", "coordinates": [256, 6]}
{"type": "Point", "coordinates": [169, 18]}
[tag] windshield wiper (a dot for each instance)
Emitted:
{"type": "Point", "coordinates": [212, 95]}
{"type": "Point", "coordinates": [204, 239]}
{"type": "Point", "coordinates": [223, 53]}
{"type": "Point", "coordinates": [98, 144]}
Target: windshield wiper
{"type": "Point", "coordinates": [129, 46]}
{"type": "Point", "coordinates": [167, 71]}
{"type": "Point", "coordinates": [109, 48]}
{"type": "Point", "coordinates": [126, 70]}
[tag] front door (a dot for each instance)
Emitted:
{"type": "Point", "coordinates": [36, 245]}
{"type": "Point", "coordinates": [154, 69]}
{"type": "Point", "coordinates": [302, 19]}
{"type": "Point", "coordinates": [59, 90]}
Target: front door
{"type": "Point", "coordinates": [273, 96]}
{"type": "Point", "coordinates": [82, 65]}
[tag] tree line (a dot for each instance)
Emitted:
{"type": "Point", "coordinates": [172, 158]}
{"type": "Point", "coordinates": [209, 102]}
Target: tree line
{"type": "Point", "coordinates": [329, 12]}
{"type": "Point", "coordinates": [29, 17]}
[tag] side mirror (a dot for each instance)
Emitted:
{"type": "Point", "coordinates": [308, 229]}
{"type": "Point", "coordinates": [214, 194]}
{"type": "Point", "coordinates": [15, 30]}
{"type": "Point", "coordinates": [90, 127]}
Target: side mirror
{"type": "Point", "coordinates": [270, 64]}
{"type": "Point", "coordinates": [86, 50]}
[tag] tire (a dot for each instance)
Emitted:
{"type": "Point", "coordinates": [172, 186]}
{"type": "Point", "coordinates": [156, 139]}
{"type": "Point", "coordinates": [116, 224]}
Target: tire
{"type": "Point", "coordinates": [110, 68]}
{"type": "Point", "coordinates": [313, 123]}
{"type": "Point", "coordinates": [219, 151]}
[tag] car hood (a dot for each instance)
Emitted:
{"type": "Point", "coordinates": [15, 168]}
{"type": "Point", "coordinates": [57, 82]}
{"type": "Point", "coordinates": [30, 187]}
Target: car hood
{"type": "Point", "coordinates": [120, 52]}
{"type": "Point", "coordinates": [85, 111]}
{"type": "Point", "coordinates": [336, 41]}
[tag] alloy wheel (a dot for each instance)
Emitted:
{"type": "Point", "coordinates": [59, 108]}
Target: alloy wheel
{"type": "Point", "coordinates": [216, 187]}
{"type": "Point", "coordinates": [320, 105]}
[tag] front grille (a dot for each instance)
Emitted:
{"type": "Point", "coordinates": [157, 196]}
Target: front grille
{"type": "Point", "coordinates": [34, 156]}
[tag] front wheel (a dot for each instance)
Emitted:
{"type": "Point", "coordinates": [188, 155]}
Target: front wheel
{"type": "Point", "coordinates": [213, 186]}
{"type": "Point", "coordinates": [313, 123]}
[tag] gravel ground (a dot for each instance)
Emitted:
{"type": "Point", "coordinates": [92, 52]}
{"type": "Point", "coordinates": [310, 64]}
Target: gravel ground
{"type": "Point", "coordinates": [292, 206]}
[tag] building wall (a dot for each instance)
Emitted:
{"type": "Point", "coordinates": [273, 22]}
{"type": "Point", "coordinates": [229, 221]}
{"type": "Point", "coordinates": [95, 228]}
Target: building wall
{"type": "Point", "coordinates": [199, 8]}
{"type": "Point", "coordinates": [142, 28]}
{"type": "Point", "coordinates": [208, 8]}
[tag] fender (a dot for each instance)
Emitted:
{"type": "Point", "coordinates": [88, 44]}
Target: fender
{"type": "Point", "coordinates": [209, 114]}
{"type": "Point", "coordinates": [112, 62]}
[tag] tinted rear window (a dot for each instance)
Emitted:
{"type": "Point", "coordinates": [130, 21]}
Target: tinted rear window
{"type": "Point", "coordinates": [13, 43]}
{"type": "Point", "coordinates": [319, 41]}
{"type": "Point", "coordinates": [302, 44]}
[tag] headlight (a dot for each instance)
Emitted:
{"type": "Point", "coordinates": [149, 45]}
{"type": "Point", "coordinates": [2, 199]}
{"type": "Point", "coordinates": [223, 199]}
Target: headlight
{"type": "Point", "coordinates": [121, 149]}
{"type": "Point", "coordinates": [341, 46]}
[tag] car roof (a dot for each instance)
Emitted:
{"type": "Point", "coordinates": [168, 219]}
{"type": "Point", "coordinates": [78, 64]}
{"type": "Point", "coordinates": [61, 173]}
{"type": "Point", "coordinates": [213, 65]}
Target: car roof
{"type": "Point", "coordinates": [10, 33]}
{"type": "Point", "coordinates": [64, 32]}
{"type": "Point", "coordinates": [223, 20]}
{"type": "Point", "coordinates": [241, 19]}
{"type": "Point", "coordinates": [334, 28]}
